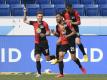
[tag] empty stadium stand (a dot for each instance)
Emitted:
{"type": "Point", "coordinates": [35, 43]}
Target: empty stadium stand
{"type": "Point", "coordinates": [51, 7]}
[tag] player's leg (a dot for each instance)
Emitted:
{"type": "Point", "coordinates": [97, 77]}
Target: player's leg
{"type": "Point", "coordinates": [37, 57]}
{"type": "Point", "coordinates": [77, 61]}
{"type": "Point", "coordinates": [62, 50]}
{"type": "Point", "coordinates": [57, 51]}
{"type": "Point", "coordinates": [72, 50]}
{"type": "Point", "coordinates": [61, 64]}
{"type": "Point", "coordinates": [45, 51]}
{"type": "Point", "coordinates": [56, 60]}
{"type": "Point", "coordinates": [81, 47]}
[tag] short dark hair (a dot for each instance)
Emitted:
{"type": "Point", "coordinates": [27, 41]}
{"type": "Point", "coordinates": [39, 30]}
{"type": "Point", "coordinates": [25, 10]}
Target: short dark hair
{"type": "Point", "coordinates": [39, 12]}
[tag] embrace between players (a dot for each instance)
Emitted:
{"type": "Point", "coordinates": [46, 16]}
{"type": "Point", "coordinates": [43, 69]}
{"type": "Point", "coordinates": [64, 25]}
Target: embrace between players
{"type": "Point", "coordinates": [67, 32]}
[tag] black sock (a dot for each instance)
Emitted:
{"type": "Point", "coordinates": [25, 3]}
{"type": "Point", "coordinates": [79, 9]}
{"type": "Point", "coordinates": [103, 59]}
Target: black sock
{"type": "Point", "coordinates": [38, 66]}
{"type": "Point", "coordinates": [61, 67]}
{"type": "Point", "coordinates": [57, 51]}
{"type": "Point", "coordinates": [77, 61]}
{"type": "Point", "coordinates": [81, 47]}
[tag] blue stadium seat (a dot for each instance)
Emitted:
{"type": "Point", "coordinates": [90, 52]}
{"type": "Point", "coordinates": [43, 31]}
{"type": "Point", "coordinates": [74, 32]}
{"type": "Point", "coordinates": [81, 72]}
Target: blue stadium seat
{"type": "Point", "coordinates": [103, 10]}
{"type": "Point", "coordinates": [48, 10]}
{"type": "Point", "coordinates": [2, 1]}
{"type": "Point", "coordinates": [32, 9]}
{"type": "Point", "coordinates": [28, 1]}
{"type": "Point", "coordinates": [17, 10]}
{"type": "Point", "coordinates": [59, 7]}
{"type": "Point", "coordinates": [73, 1]}
{"type": "Point", "coordinates": [12, 1]}
{"type": "Point", "coordinates": [4, 10]}
{"type": "Point", "coordinates": [101, 1]}
{"type": "Point", "coordinates": [80, 9]}
{"type": "Point", "coordinates": [87, 2]}
{"type": "Point", "coordinates": [43, 1]}
{"type": "Point", "coordinates": [91, 10]}
{"type": "Point", "coordinates": [57, 2]}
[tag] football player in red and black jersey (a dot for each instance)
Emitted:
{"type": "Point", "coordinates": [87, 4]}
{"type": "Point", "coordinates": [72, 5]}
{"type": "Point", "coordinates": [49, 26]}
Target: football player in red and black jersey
{"type": "Point", "coordinates": [41, 30]}
{"type": "Point", "coordinates": [65, 32]}
{"type": "Point", "coordinates": [72, 15]}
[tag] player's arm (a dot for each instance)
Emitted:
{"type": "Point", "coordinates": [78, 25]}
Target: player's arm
{"type": "Point", "coordinates": [25, 17]}
{"type": "Point", "coordinates": [47, 30]}
{"type": "Point", "coordinates": [55, 33]}
{"type": "Point", "coordinates": [72, 29]}
{"type": "Point", "coordinates": [77, 22]}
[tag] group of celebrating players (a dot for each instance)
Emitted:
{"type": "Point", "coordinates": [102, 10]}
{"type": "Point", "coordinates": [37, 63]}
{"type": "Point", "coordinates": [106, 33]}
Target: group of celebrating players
{"type": "Point", "coordinates": [67, 31]}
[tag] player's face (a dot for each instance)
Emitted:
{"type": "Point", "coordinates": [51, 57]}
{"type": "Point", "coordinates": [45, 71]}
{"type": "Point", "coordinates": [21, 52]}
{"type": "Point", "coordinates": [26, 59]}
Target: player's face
{"type": "Point", "coordinates": [39, 17]}
{"type": "Point", "coordinates": [58, 18]}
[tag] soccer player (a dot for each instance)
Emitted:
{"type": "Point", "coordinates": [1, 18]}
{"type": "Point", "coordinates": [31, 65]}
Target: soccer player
{"type": "Point", "coordinates": [65, 31]}
{"type": "Point", "coordinates": [73, 16]}
{"type": "Point", "coordinates": [41, 30]}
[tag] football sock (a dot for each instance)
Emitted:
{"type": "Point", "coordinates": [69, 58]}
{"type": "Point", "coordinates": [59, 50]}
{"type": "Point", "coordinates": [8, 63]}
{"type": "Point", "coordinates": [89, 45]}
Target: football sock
{"type": "Point", "coordinates": [81, 47]}
{"type": "Point", "coordinates": [61, 67]}
{"type": "Point", "coordinates": [38, 65]}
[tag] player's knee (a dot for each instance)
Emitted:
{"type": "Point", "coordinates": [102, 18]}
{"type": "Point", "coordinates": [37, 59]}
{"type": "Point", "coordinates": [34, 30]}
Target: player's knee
{"type": "Point", "coordinates": [73, 58]}
{"type": "Point", "coordinates": [37, 57]}
{"type": "Point", "coordinates": [61, 56]}
{"type": "Point", "coordinates": [78, 41]}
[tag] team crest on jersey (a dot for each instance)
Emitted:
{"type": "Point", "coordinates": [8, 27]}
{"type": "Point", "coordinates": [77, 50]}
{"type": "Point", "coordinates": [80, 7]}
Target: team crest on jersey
{"type": "Point", "coordinates": [38, 30]}
{"type": "Point", "coordinates": [41, 26]}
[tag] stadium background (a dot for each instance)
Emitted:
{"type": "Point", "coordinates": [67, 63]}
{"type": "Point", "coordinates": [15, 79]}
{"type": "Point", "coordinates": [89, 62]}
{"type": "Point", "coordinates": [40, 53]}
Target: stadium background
{"type": "Point", "coordinates": [15, 35]}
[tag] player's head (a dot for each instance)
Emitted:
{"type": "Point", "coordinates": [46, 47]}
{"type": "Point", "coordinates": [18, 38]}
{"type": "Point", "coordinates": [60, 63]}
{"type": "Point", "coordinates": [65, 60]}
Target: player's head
{"type": "Point", "coordinates": [39, 16]}
{"type": "Point", "coordinates": [59, 17]}
{"type": "Point", "coordinates": [69, 7]}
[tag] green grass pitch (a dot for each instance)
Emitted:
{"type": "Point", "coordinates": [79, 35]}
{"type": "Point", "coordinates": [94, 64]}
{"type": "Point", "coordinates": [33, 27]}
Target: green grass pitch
{"type": "Point", "coordinates": [52, 77]}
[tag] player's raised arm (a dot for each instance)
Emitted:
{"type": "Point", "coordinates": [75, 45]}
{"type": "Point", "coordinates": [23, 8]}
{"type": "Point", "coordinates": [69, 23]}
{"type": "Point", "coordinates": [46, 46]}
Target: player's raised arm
{"type": "Point", "coordinates": [77, 16]}
{"type": "Point", "coordinates": [72, 29]}
{"type": "Point", "coordinates": [25, 16]}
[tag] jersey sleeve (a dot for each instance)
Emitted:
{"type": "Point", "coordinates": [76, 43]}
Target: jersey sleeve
{"type": "Point", "coordinates": [31, 22]}
{"type": "Point", "coordinates": [77, 16]}
{"type": "Point", "coordinates": [46, 26]}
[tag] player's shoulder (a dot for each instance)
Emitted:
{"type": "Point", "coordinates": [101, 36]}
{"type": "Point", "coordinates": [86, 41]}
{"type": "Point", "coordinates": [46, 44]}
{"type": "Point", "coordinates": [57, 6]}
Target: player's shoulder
{"type": "Point", "coordinates": [32, 22]}
{"type": "Point", "coordinates": [44, 23]}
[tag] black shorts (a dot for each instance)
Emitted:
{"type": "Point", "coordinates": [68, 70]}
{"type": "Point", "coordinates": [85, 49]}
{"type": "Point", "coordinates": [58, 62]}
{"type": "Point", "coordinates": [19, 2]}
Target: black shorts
{"type": "Point", "coordinates": [72, 45]}
{"type": "Point", "coordinates": [42, 48]}
{"type": "Point", "coordinates": [63, 48]}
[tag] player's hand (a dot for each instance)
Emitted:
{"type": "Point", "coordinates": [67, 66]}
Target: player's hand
{"type": "Point", "coordinates": [42, 35]}
{"type": "Point", "coordinates": [25, 10]}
